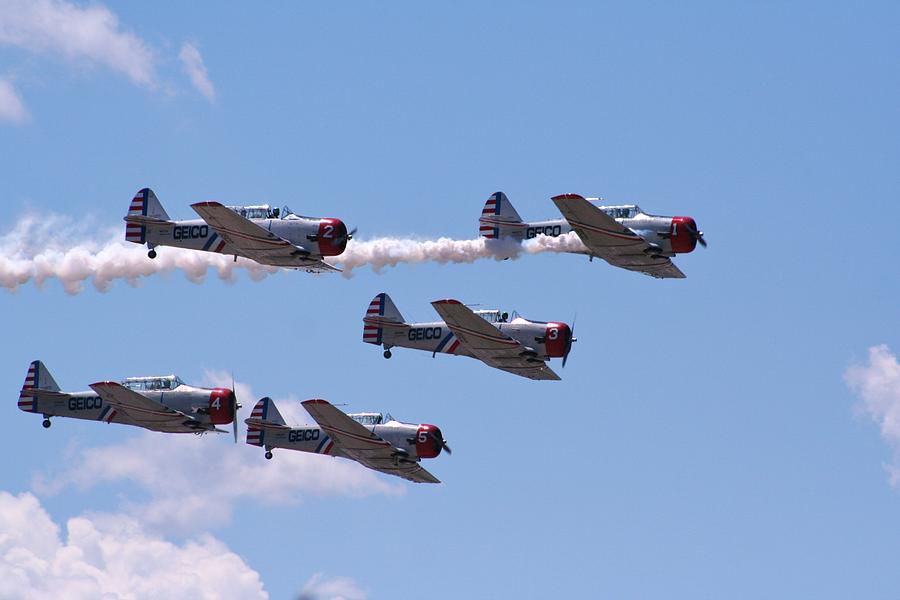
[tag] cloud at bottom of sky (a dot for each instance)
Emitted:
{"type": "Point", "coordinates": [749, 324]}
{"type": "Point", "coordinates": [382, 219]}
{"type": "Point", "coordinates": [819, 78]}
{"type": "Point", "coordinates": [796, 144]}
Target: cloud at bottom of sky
{"type": "Point", "coordinates": [320, 587]}
{"type": "Point", "coordinates": [877, 384]}
{"type": "Point", "coordinates": [110, 556]}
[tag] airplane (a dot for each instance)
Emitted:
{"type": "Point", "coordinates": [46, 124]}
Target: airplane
{"type": "Point", "coordinates": [622, 235]}
{"type": "Point", "coordinates": [374, 440]}
{"type": "Point", "coordinates": [165, 404]}
{"type": "Point", "coordinates": [517, 346]}
{"type": "Point", "coordinates": [270, 236]}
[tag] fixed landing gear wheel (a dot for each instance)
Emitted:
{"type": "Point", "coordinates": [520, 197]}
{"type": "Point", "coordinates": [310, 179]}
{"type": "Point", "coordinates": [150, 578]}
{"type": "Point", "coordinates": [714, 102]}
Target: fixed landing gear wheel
{"type": "Point", "coordinates": [152, 254]}
{"type": "Point", "coordinates": [387, 354]}
{"type": "Point", "coordinates": [46, 423]}
{"type": "Point", "coordinates": [268, 455]}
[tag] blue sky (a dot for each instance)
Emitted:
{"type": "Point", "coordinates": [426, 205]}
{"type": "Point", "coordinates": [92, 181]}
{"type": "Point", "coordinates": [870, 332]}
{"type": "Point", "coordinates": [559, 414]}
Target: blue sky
{"type": "Point", "coordinates": [731, 434]}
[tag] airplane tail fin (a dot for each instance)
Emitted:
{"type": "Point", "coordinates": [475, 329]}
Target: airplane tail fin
{"type": "Point", "coordinates": [38, 382]}
{"type": "Point", "coordinates": [265, 410]}
{"type": "Point", "coordinates": [499, 218]}
{"type": "Point", "coordinates": [144, 209]}
{"type": "Point", "coordinates": [381, 309]}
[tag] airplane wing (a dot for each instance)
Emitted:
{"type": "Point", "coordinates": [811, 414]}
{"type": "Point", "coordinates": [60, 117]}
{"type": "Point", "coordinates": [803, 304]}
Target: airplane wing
{"type": "Point", "coordinates": [489, 344]}
{"type": "Point", "coordinates": [612, 241]}
{"type": "Point", "coordinates": [257, 243]}
{"type": "Point", "coordinates": [145, 412]}
{"type": "Point", "coordinates": [360, 444]}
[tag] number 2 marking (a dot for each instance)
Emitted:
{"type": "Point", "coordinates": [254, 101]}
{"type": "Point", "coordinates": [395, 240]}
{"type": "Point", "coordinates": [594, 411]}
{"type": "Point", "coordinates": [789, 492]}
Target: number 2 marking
{"type": "Point", "coordinates": [327, 231]}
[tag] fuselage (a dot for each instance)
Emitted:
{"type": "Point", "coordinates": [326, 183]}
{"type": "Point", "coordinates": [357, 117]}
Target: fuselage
{"type": "Point", "coordinates": [546, 340]}
{"type": "Point", "coordinates": [409, 440]}
{"type": "Point", "coordinates": [208, 405]}
{"type": "Point", "coordinates": [670, 234]}
{"type": "Point", "coordinates": [320, 237]}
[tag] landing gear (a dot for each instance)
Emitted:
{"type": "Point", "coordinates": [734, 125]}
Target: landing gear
{"type": "Point", "coordinates": [46, 423]}
{"type": "Point", "coordinates": [268, 455]}
{"type": "Point", "coordinates": [152, 254]}
{"type": "Point", "coordinates": [387, 354]}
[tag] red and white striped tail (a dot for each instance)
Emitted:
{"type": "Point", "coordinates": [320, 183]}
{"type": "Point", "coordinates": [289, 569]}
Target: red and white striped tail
{"type": "Point", "coordinates": [487, 229]}
{"type": "Point", "coordinates": [372, 333]}
{"type": "Point", "coordinates": [135, 232]}
{"type": "Point", "coordinates": [26, 402]}
{"type": "Point", "coordinates": [254, 435]}
{"type": "Point", "coordinates": [31, 376]}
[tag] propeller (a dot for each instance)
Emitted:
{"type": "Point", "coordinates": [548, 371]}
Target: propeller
{"type": "Point", "coordinates": [346, 237]}
{"type": "Point", "coordinates": [697, 235]}
{"type": "Point", "coordinates": [569, 342]}
{"type": "Point", "coordinates": [440, 441]}
{"type": "Point", "coordinates": [234, 408]}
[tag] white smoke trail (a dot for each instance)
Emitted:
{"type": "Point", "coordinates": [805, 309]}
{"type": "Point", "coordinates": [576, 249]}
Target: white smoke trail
{"type": "Point", "coordinates": [389, 252]}
{"type": "Point", "coordinates": [45, 247]}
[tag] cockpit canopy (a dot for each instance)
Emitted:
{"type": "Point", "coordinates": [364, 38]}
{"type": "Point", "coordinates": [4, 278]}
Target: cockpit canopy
{"type": "Point", "coordinates": [146, 384]}
{"type": "Point", "coordinates": [497, 316]}
{"type": "Point", "coordinates": [621, 211]}
{"type": "Point", "coordinates": [264, 211]}
{"type": "Point", "coordinates": [370, 419]}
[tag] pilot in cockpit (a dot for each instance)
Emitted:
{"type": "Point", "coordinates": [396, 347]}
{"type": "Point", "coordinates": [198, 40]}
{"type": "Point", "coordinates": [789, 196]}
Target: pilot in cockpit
{"type": "Point", "coordinates": [275, 212]}
{"type": "Point", "coordinates": [504, 317]}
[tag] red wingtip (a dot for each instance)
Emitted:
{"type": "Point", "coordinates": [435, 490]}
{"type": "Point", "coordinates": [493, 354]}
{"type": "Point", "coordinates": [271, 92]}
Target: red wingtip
{"type": "Point", "coordinates": [103, 384]}
{"type": "Point", "coordinates": [447, 301]}
{"type": "Point", "coordinates": [207, 203]}
{"type": "Point", "coordinates": [314, 401]}
{"type": "Point", "coordinates": [568, 197]}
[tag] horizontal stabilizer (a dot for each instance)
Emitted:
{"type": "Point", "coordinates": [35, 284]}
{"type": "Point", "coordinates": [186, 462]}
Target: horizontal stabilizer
{"type": "Point", "coordinates": [142, 220]}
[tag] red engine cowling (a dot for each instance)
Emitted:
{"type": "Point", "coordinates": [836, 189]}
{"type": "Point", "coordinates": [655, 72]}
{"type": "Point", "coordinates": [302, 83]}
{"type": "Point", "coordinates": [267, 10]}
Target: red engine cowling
{"type": "Point", "coordinates": [428, 441]}
{"type": "Point", "coordinates": [221, 406]}
{"type": "Point", "coordinates": [332, 237]}
{"type": "Point", "coordinates": [556, 338]}
{"type": "Point", "coordinates": [681, 234]}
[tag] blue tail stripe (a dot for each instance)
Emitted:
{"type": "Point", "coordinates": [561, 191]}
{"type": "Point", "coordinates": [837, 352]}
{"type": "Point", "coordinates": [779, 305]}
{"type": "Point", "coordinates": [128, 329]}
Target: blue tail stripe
{"type": "Point", "coordinates": [209, 242]}
{"type": "Point", "coordinates": [444, 342]}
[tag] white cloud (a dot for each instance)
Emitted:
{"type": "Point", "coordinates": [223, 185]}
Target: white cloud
{"type": "Point", "coordinates": [320, 587]}
{"type": "Point", "coordinates": [196, 480]}
{"type": "Point", "coordinates": [878, 386]}
{"type": "Point", "coordinates": [110, 557]}
{"type": "Point", "coordinates": [11, 106]}
{"type": "Point", "coordinates": [88, 35]}
{"type": "Point", "coordinates": [196, 70]}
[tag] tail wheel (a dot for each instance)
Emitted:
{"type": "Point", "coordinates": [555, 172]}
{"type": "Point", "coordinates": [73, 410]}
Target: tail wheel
{"type": "Point", "coordinates": [387, 354]}
{"type": "Point", "coordinates": [46, 423]}
{"type": "Point", "coordinates": [268, 455]}
{"type": "Point", "coordinates": [152, 254]}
